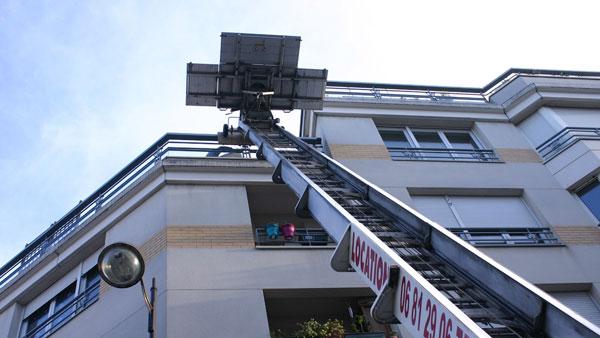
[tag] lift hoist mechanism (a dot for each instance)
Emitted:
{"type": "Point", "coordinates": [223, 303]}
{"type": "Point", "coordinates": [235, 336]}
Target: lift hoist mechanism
{"type": "Point", "coordinates": [426, 279]}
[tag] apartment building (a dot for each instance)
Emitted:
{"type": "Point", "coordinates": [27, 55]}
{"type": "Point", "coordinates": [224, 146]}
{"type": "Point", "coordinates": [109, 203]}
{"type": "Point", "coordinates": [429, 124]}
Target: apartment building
{"type": "Point", "coordinates": [509, 168]}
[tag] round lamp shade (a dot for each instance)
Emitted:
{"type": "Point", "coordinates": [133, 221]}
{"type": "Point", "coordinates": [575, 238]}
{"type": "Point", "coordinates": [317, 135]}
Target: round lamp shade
{"type": "Point", "coordinates": [120, 265]}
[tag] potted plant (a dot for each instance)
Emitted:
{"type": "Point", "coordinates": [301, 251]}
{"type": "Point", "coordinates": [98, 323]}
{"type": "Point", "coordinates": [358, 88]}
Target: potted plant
{"type": "Point", "coordinates": [362, 329]}
{"type": "Point", "coordinates": [332, 328]}
{"type": "Point", "coordinates": [360, 324]}
{"type": "Point", "coordinates": [272, 230]}
{"type": "Point", "coordinates": [288, 230]}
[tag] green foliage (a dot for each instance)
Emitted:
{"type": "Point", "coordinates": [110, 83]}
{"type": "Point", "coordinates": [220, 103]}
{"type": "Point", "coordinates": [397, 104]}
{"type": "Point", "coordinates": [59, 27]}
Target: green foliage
{"type": "Point", "coordinates": [360, 324]}
{"type": "Point", "coordinates": [277, 333]}
{"type": "Point", "coordinates": [333, 328]}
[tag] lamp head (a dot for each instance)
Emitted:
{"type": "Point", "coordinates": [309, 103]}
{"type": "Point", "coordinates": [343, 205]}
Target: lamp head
{"type": "Point", "coordinates": [121, 265]}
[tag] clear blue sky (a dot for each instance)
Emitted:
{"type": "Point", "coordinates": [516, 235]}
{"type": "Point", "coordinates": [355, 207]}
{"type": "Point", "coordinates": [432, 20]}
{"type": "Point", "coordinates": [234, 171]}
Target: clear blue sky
{"type": "Point", "coordinates": [86, 86]}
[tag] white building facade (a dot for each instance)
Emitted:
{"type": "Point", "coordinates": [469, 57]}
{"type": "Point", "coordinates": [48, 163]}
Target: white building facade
{"type": "Point", "coordinates": [510, 168]}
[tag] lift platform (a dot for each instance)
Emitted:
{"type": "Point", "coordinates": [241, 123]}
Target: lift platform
{"type": "Point", "coordinates": [426, 279]}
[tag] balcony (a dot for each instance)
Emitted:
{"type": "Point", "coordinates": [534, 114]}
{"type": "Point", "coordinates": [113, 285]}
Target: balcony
{"type": "Point", "coordinates": [564, 139]}
{"type": "Point", "coordinates": [303, 237]}
{"type": "Point", "coordinates": [491, 237]}
{"type": "Point", "coordinates": [437, 154]}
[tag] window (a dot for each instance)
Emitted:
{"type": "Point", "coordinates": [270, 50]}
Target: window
{"type": "Point", "coordinates": [61, 311]}
{"type": "Point", "coordinates": [476, 211]}
{"type": "Point", "coordinates": [461, 140]}
{"type": "Point", "coordinates": [34, 323]}
{"type": "Point", "coordinates": [590, 196]}
{"type": "Point", "coordinates": [430, 140]}
{"type": "Point", "coordinates": [91, 285]}
{"type": "Point", "coordinates": [431, 144]}
{"type": "Point", "coordinates": [486, 220]}
{"type": "Point", "coordinates": [62, 307]}
{"type": "Point", "coordinates": [581, 302]}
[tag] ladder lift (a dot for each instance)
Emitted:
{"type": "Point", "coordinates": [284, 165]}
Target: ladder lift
{"type": "Point", "coordinates": [425, 278]}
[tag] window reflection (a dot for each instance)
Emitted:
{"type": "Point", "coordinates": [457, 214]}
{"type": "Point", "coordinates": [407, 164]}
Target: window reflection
{"type": "Point", "coordinates": [590, 195]}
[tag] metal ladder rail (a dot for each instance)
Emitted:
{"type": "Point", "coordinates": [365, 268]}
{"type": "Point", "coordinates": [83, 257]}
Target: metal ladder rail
{"type": "Point", "coordinates": [492, 318]}
{"type": "Point", "coordinates": [560, 321]}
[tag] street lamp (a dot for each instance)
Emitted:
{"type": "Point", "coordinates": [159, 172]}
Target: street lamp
{"type": "Point", "coordinates": [121, 265]}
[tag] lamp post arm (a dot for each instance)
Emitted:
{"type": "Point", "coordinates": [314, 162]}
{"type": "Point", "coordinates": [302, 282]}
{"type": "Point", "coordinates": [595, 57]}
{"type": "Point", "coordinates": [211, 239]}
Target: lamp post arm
{"type": "Point", "coordinates": [150, 304]}
{"type": "Point", "coordinates": [151, 312]}
{"type": "Point", "coordinates": [145, 294]}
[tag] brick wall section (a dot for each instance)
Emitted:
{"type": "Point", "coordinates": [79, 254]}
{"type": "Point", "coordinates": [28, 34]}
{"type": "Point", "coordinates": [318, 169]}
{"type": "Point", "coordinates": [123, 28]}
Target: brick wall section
{"type": "Point", "coordinates": [578, 235]}
{"type": "Point", "coordinates": [359, 151]}
{"type": "Point", "coordinates": [222, 236]}
{"type": "Point", "coordinates": [154, 245]}
{"type": "Point", "coordinates": [104, 287]}
{"type": "Point", "coordinates": [518, 155]}
{"type": "Point", "coordinates": [232, 236]}
{"type": "Point", "coordinates": [228, 236]}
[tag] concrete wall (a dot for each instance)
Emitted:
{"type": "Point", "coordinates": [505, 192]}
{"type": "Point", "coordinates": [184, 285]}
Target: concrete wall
{"type": "Point", "coordinates": [345, 137]}
{"type": "Point", "coordinates": [577, 163]}
{"type": "Point", "coordinates": [217, 313]}
{"type": "Point", "coordinates": [10, 320]}
{"type": "Point", "coordinates": [217, 291]}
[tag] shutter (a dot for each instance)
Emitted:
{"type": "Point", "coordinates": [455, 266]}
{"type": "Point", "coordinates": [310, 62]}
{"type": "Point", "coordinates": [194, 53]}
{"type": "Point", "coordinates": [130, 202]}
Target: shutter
{"type": "Point", "coordinates": [436, 208]}
{"type": "Point", "coordinates": [580, 302]}
{"type": "Point", "coordinates": [492, 212]}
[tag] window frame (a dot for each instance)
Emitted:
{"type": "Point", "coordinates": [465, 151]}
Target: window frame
{"type": "Point", "coordinates": [442, 135]}
{"type": "Point", "coordinates": [595, 180]}
{"type": "Point", "coordinates": [54, 323]}
{"type": "Point", "coordinates": [408, 133]}
{"type": "Point", "coordinates": [80, 286]}
{"type": "Point", "coordinates": [25, 323]}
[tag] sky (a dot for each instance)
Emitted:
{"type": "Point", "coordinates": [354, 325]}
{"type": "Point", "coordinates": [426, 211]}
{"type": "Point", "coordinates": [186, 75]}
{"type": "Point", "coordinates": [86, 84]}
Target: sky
{"type": "Point", "coordinates": [85, 86]}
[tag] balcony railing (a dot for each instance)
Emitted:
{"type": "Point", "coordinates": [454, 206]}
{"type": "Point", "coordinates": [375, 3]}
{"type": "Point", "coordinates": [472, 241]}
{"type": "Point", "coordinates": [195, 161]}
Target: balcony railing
{"type": "Point", "coordinates": [507, 236]}
{"type": "Point", "coordinates": [444, 154]}
{"type": "Point", "coordinates": [303, 237]}
{"type": "Point", "coordinates": [188, 145]}
{"type": "Point", "coordinates": [381, 91]}
{"type": "Point", "coordinates": [564, 139]}
{"type": "Point", "coordinates": [66, 313]}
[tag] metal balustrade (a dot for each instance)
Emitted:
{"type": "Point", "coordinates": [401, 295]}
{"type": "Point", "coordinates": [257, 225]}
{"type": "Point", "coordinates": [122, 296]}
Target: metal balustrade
{"type": "Point", "coordinates": [378, 91]}
{"type": "Point", "coordinates": [188, 145]}
{"type": "Point", "coordinates": [302, 237]}
{"type": "Point", "coordinates": [342, 90]}
{"type": "Point", "coordinates": [507, 236]}
{"type": "Point", "coordinates": [564, 139]}
{"type": "Point", "coordinates": [66, 313]}
{"type": "Point", "coordinates": [442, 154]}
